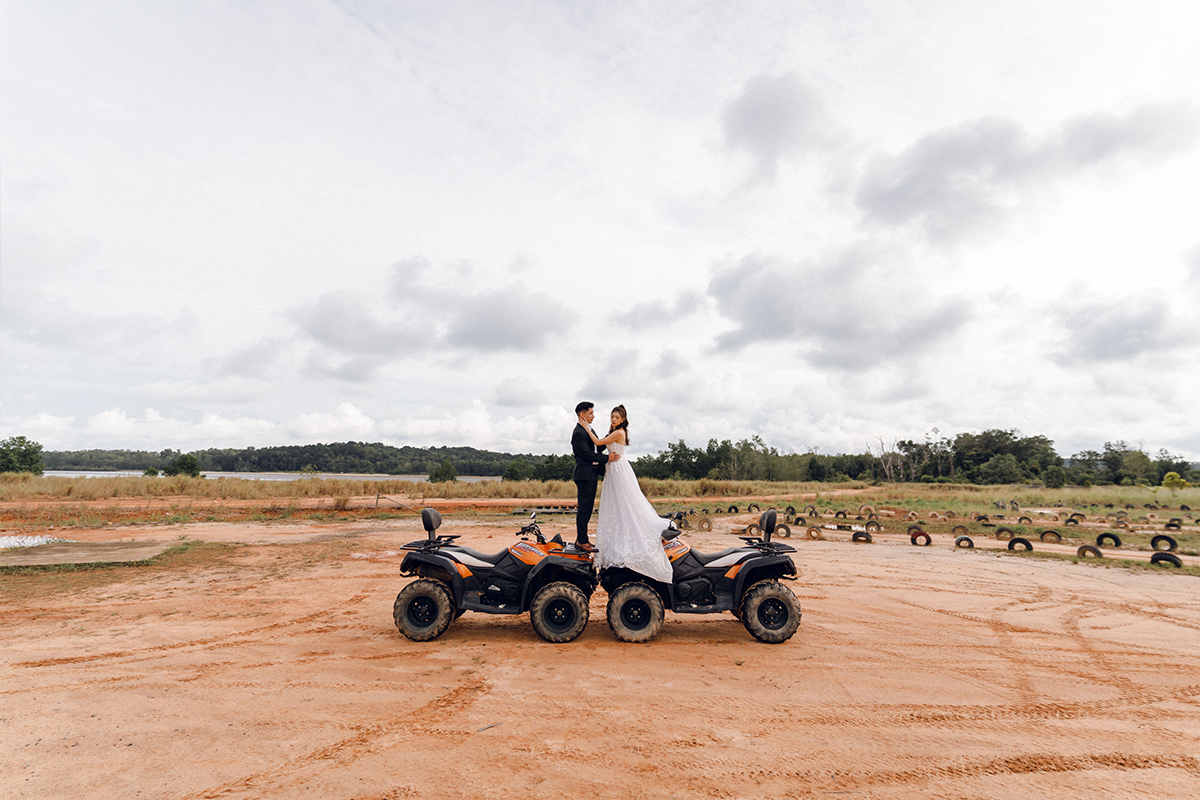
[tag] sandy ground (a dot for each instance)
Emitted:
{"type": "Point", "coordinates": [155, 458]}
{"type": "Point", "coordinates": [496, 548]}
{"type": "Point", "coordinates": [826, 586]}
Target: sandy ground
{"type": "Point", "coordinates": [272, 668]}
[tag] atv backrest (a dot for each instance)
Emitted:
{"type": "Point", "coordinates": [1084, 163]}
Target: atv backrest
{"type": "Point", "coordinates": [431, 519]}
{"type": "Point", "coordinates": [767, 522]}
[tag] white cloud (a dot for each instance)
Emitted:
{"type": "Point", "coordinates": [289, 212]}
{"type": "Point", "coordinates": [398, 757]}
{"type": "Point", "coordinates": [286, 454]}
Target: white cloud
{"type": "Point", "coordinates": [970, 176]}
{"type": "Point", "coordinates": [850, 311]}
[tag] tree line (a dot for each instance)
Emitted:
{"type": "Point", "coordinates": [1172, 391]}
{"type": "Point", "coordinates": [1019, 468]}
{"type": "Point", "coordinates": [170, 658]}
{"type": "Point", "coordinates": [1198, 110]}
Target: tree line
{"type": "Point", "coordinates": [347, 457]}
{"type": "Point", "coordinates": [993, 456]}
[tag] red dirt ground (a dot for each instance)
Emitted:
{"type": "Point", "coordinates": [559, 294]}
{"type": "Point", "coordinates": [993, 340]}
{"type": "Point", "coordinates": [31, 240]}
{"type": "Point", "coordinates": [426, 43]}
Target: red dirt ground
{"type": "Point", "coordinates": [270, 667]}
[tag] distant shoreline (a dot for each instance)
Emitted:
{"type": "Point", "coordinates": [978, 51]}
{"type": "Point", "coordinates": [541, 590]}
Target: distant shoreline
{"type": "Point", "coordinates": [266, 476]}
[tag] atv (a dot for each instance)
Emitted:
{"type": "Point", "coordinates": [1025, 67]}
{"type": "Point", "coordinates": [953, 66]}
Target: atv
{"type": "Point", "coordinates": [742, 580]}
{"type": "Point", "coordinates": [549, 579]}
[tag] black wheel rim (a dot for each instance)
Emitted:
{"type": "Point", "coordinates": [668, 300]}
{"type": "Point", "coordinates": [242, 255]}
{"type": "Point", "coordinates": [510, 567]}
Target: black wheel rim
{"type": "Point", "coordinates": [422, 611]}
{"type": "Point", "coordinates": [635, 614]}
{"type": "Point", "coordinates": [560, 615]}
{"type": "Point", "coordinates": [773, 613]}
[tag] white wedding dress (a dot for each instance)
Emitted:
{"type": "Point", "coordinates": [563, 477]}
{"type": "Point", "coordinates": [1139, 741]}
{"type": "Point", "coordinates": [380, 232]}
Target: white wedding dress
{"type": "Point", "coordinates": [629, 533]}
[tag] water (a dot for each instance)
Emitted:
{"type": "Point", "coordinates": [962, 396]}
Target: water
{"type": "Point", "coordinates": [264, 476]}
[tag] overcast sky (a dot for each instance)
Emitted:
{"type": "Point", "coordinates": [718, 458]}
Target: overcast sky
{"type": "Point", "coordinates": [226, 224]}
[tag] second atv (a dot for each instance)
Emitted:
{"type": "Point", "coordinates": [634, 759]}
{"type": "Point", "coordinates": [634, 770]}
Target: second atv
{"type": "Point", "coordinates": [550, 580]}
{"type": "Point", "coordinates": [743, 580]}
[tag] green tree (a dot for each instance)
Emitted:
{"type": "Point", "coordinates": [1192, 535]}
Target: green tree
{"type": "Point", "coordinates": [1137, 465]}
{"type": "Point", "coordinates": [1174, 482]}
{"type": "Point", "coordinates": [185, 464]}
{"type": "Point", "coordinates": [1000, 469]}
{"type": "Point", "coordinates": [446, 473]}
{"type": "Point", "coordinates": [555, 468]}
{"type": "Point", "coordinates": [18, 454]}
{"type": "Point", "coordinates": [518, 470]}
{"type": "Point", "coordinates": [1054, 477]}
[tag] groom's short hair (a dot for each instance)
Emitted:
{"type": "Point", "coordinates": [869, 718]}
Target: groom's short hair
{"type": "Point", "coordinates": [583, 406]}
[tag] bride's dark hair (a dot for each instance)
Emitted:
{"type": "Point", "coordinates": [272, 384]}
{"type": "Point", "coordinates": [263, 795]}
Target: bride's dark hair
{"type": "Point", "coordinates": [623, 425]}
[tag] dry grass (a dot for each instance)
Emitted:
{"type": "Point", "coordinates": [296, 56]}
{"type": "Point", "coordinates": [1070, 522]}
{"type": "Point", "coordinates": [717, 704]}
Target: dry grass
{"type": "Point", "coordinates": [29, 487]}
{"type": "Point", "coordinates": [957, 497]}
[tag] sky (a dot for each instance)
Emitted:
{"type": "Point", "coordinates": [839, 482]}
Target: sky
{"type": "Point", "coordinates": [828, 224]}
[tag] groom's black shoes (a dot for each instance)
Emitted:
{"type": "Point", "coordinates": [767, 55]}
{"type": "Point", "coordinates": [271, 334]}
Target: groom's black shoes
{"type": "Point", "coordinates": [586, 547]}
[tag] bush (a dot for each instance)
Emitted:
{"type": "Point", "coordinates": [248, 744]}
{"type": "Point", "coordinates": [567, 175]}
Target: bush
{"type": "Point", "coordinates": [446, 473]}
{"type": "Point", "coordinates": [150, 472]}
{"type": "Point", "coordinates": [184, 465]}
{"type": "Point", "coordinates": [1054, 477]}
{"type": "Point", "coordinates": [18, 454]}
{"type": "Point", "coordinates": [518, 470]}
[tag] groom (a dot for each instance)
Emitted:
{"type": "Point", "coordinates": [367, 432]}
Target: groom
{"type": "Point", "coordinates": [590, 462]}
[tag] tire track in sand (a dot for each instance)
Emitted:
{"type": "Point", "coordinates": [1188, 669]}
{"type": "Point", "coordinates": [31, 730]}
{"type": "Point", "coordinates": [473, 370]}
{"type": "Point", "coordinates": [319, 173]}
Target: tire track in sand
{"type": "Point", "coordinates": [224, 640]}
{"type": "Point", "coordinates": [368, 739]}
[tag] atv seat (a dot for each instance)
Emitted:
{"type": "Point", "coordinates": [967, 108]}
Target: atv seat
{"type": "Point", "coordinates": [707, 558]}
{"type": "Point", "coordinates": [490, 558]}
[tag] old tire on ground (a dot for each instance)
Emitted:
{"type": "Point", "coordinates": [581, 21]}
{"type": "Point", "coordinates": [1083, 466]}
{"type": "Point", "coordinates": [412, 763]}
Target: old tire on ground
{"type": "Point", "coordinates": [950, 515]}
{"type": "Point", "coordinates": [914, 529]}
{"type": "Point", "coordinates": [1173, 526]}
{"type": "Point", "coordinates": [704, 524]}
{"type": "Point", "coordinates": [753, 507]}
{"type": "Point", "coordinates": [770, 612]}
{"type": "Point", "coordinates": [873, 527]}
{"type": "Point", "coordinates": [1168, 543]}
{"type": "Point", "coordinates": [1087, 550]}
{"type": "Point", "coordinates": [959, 530]}
{"type": "Point", "coordinates": [559, 612]}
{"type": "Point", "coordinates": [915, 536]}
{"type": "Point", "coordinates": [1004, 533]}
{"type": "Point", "coordinates": [423, 610]}
{"type": "Point", "coordinates": [1108, 537]}
{"type": "Point", "coordinates": [1053, 537]}
{"type": "Point", "coordinates": [1166, 558]}
{"type": "Point", "coordinates": [790, 510]}
{"type": "Point", "coordinates": [814, 533]}
{"type": "Point", "coordinates": [1024, 521]}
{"type": "Point", "coordinates": [783, 531]}
{"type": "Point", "coordinates": [841, 514]}
{"type": "Point", "coordinates": [861, 536]}
{"type": "Point", "coordinates": [810, 510]}
{"type": "Point", "coordinates": [965, 541]}
{"type": "Point", "coordinates": [753, 530]}
{"type": "Point", "coordinates": [733, 509]}
{"type": "Point", "coordinates": [635, 613]}
{"type": "Point", "coordinates": [1019, 541]}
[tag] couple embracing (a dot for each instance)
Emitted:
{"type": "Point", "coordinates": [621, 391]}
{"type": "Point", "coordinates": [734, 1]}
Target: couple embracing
{"type": "Point", "coordinates": [629, 533]}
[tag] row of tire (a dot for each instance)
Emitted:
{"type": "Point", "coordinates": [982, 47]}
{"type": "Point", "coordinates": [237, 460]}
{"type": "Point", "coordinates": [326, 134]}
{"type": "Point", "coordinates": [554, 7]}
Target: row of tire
{"type": "Point", "coordinates": [1162, 556]}
{"type": "Point", "coordinates": [1163, 545]}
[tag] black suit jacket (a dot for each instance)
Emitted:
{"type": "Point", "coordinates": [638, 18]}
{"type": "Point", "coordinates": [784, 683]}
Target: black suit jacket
{"type": "Point", "coordinates": [590, 461]}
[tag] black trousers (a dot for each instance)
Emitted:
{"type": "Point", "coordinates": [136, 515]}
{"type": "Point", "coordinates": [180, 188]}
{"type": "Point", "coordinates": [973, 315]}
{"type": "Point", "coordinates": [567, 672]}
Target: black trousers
{"type": "Point", "coordinates": [583, 513]}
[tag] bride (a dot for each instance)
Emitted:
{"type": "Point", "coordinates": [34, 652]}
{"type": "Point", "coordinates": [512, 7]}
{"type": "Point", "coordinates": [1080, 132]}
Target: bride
{"type": "Point", "coordinates": [629, 531]}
